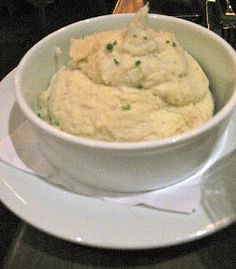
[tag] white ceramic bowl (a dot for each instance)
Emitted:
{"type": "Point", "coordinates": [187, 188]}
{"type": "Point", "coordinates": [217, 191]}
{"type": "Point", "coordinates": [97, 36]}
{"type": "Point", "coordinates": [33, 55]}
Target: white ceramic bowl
{"type": "Point", "coordinates": [130, 166]}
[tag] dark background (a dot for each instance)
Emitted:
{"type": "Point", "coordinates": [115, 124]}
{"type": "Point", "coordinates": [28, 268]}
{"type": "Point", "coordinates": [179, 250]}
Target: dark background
{"type": "Point", "coordinates": [22, 24]}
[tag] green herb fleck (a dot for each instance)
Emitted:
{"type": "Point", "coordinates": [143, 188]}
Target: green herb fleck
{"type": "Point", "coordinates": [134, 35]}
{"type": "Point", "coordinates": [173, 44]}
{"type": "Point", "coordinates": [109, 47]}
{"type": "Point", "coordinates": [126, 107]}
{"type": "Point", "coordinates": [139, 86]}
{"type": "Point", "coordinates": [137, 63]}
{"type": "Point", "coordinates": [54, 122]}
{"type": "Point", "coordinates": [145, 38]}
{"type": "Point", "coordinates": [167, 41]}
{"type": "Point", "coordinates": [115, 61]}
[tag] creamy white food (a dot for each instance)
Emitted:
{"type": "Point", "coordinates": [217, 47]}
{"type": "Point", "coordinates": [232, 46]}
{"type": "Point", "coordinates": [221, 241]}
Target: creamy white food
{"type": "Point", "coordinates": [128, 85]}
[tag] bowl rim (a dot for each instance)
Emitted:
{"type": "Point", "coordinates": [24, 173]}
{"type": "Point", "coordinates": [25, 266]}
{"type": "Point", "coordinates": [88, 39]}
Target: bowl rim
{"type": "Point", "coordinates": [152, 144]}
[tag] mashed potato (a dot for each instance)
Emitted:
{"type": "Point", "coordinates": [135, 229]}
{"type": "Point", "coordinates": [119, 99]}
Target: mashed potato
{"type": "Point", "coordinates": [128, 85]}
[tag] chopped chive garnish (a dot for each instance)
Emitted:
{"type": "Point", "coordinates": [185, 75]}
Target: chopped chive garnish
{"type": "Point", "coordinates": [167, 41]}
{"type": "Point", "coordinates": [115, 61]}
{"type": "Point", "coordinates": [139, 86]}
{"type": "Point", "coordinates": [138, 62]}
{"type": "Point", "coordinates": [126, 107]}
{"type": "Point", "coordinates": [109, 47]}
{"type": "Point", "coordinates": [173, 44]}
{"type": "Point", "coordinates": [145, 38]}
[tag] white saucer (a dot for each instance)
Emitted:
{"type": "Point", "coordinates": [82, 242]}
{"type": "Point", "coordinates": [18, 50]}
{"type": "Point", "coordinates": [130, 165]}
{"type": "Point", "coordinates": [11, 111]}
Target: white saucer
{"type": "Point", "coordinates": [90, 221]}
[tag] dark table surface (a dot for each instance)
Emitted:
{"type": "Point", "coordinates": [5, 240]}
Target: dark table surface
{"type": "Point", "coordinates": [23, 246]}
